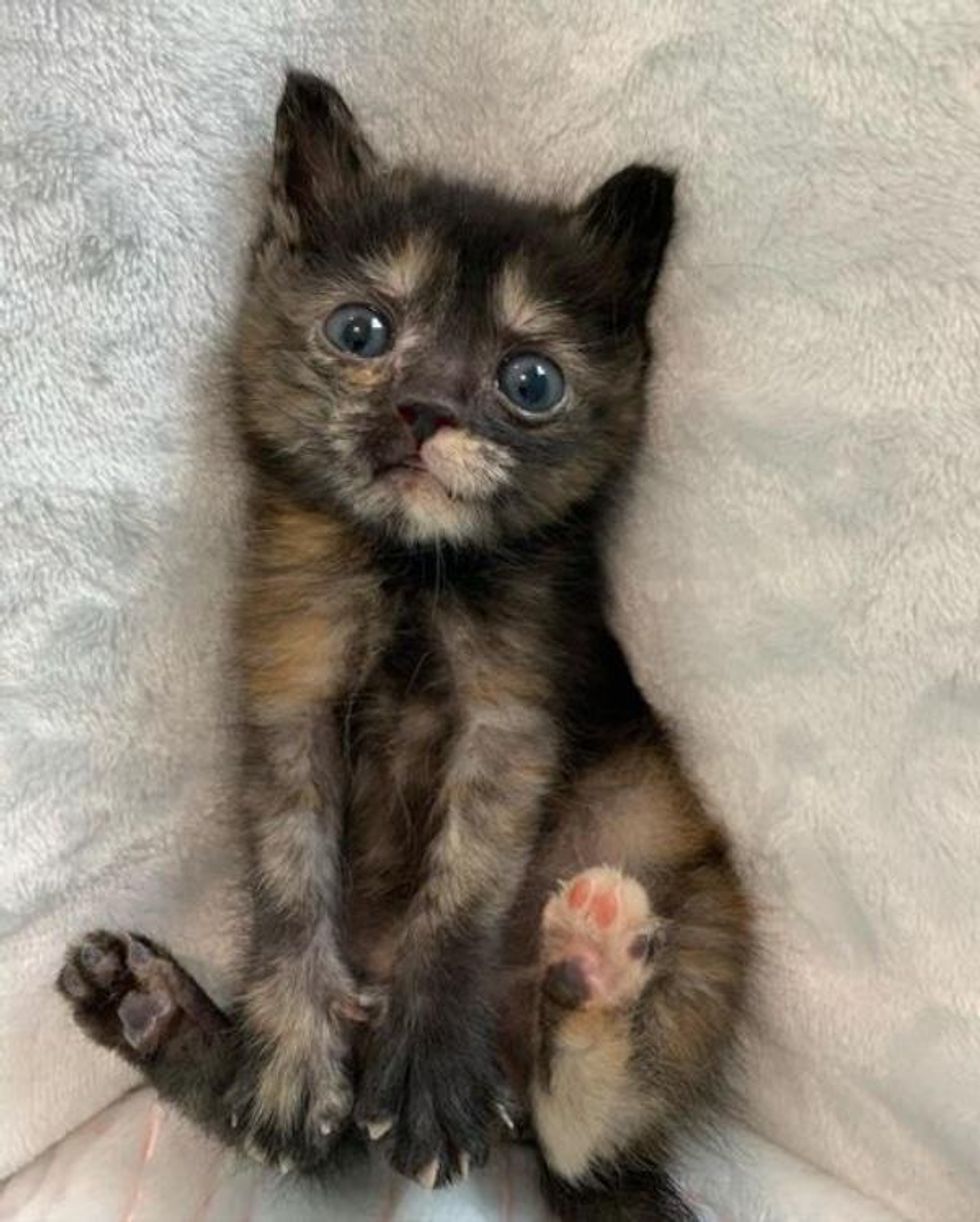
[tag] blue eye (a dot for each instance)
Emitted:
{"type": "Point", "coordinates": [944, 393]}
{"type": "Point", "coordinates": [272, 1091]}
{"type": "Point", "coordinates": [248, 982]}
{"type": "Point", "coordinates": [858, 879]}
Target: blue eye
{"type": "Point", "coordinates": [534, 385]}
{"type": "Point", "coordinates": [358, 330]}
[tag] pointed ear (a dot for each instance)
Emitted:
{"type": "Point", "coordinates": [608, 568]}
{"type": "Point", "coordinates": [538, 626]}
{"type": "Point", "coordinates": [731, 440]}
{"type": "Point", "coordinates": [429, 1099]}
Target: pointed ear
{"type": "Point", "coordinates": [320, 153]}
{"type": "Point", "coordinates": [631, 216]}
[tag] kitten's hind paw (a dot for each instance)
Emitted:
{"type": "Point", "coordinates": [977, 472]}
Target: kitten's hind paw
{"type": "Point", "coordinates": [130, 996]}
{"type": "Point", "coordinates": [599, 937]}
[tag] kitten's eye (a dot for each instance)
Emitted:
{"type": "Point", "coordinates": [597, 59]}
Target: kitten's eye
{"type": "Point", "coordinates": [533, 385]}
{"type": "Point", "coordinates": [358, 330]}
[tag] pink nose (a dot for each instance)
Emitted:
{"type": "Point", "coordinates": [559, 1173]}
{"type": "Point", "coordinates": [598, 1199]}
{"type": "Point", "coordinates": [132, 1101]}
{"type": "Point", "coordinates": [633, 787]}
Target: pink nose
{"type": "Point", "coordinates": [424, 419]}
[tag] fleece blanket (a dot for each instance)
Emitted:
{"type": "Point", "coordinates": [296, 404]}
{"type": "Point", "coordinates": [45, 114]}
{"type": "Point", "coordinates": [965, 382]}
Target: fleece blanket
{"type": "Point", "coordinates": [797, 576]}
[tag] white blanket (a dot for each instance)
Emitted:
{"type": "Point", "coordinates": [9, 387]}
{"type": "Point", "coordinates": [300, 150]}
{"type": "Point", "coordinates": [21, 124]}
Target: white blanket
{"type": "Point", "coordinates": [799, 577]}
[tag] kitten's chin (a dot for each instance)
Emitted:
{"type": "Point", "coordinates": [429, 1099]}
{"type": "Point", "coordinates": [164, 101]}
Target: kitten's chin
{"type": "Point", "coordinates": [413, 503]}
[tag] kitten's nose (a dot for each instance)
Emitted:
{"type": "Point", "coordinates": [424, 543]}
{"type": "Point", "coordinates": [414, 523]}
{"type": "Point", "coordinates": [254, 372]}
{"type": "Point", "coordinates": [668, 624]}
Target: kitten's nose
{"type": "Point", "coordinates": [424, 419]}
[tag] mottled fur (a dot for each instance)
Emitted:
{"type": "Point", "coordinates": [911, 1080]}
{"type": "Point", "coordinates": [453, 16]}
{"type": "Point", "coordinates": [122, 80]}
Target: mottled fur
{"type": "Point", "coordinates": [440, 728]}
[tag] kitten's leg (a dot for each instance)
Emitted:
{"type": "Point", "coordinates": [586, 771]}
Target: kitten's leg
{"type": "Point", "coordinates": [293, 1090]}
{"type": "Point", "coordinates": [130, 996]}
{"type": "Point", "coordinates": [310, 623]}
{"type": "Point", "coordinates": [642, 950]}
{"type": "Point", "coordinates": [431, 1083]}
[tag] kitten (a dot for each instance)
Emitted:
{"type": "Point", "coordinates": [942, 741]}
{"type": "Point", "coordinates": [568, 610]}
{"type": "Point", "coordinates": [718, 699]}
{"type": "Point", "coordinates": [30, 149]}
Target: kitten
{"type": "Point", "coordinates": [481, 887]}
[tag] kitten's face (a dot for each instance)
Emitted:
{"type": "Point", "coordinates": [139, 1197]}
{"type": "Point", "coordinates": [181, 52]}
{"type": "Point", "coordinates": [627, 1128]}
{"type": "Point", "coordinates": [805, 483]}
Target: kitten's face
{"type": "Point", "coordinates": [437, 362]}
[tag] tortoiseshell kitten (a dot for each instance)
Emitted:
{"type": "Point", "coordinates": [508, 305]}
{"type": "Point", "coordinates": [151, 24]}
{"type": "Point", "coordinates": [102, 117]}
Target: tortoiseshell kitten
{"type": "Point", "coordinates": [484, 894]}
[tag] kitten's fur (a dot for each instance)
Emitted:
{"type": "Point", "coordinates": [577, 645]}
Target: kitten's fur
{"type": "Point", "coordinates": [443, 739]}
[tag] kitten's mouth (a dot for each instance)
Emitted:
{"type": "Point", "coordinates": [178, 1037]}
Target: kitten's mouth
{"type": "Point", "coordinates": [411, 472]}
{"type": "Point", "coordinates": [413, 462]}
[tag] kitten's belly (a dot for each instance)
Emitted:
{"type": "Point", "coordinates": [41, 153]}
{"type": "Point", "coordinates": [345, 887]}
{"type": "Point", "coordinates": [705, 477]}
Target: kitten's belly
{"type": "Point", "coordinates": [392, 816]}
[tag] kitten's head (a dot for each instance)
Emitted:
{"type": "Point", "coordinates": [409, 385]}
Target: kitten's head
{"type": "Point", "coordinates": [439, 362]}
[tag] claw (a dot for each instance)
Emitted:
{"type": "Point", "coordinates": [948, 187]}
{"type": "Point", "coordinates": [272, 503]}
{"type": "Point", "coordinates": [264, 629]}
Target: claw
{"type": "Point", "coordinates": [376, 1129]}
{"type": "Point", "coordinates": [428, 1175]}
{"type": "Point", "coordinates": [253, 1152]}
{"type": "Point", "coordinates": [507, 1119]}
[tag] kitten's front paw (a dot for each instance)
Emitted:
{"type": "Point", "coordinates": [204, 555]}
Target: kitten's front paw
{"type": "Point", "coordinates": [293, 1094]}
{"type": "Point", "coordinates": [432, 1092]}
{"type": "Point", "coordinates": [290, 1101]}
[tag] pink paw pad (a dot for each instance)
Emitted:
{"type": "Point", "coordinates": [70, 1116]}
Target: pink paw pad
{"type": "Point", "coordinates": [597, 935]}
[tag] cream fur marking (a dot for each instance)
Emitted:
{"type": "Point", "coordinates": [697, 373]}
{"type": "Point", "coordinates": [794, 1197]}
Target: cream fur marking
{"type": "Point", "coordinates": [469, 467]}
{"type": "Point", "coordinates": [519, 308]}
{"type": "Point", "coordinates": [588, 1112]}
{"type": "Point", "coordinates": [402, 271]}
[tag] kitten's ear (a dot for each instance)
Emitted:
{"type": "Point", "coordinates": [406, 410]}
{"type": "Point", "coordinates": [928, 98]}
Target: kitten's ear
{"type": "Point", "coordinates": [631, 216]}
{"type": "Point", "coordinates": [320, 152]}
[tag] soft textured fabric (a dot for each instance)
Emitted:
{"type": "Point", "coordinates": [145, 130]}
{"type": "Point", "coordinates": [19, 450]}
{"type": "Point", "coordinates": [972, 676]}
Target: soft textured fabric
{"type": "Point", "coordinates": [797, 576]}
{"type": "Point", "coordinates": [137, 1161]}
